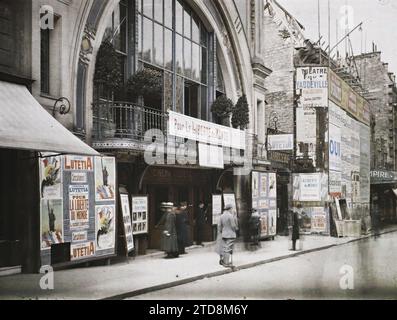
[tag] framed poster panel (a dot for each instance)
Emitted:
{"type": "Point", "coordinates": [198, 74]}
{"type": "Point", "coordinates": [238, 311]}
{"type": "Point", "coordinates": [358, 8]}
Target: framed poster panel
{"type": "Point", "coordinates": [125, 209]}
{"type": "Point", "coordinates": [216, 208]}
{"type": "Point", "coordinates": [140, 214]}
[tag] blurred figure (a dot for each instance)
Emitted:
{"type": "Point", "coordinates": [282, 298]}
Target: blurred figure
{"type": "Point", "coordinates": [227, 233]}
{"type": "Point", "coordinates": [200, 221]}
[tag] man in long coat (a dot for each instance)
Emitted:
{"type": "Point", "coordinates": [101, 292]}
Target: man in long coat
{"type": "Point", "coordinates": [169, 243]}
{"type": "Point", "coordinates": [227, 229]}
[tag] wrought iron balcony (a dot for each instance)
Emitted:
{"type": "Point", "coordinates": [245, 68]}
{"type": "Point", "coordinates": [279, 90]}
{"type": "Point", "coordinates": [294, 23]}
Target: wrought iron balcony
{"type": "Point", "coordinates": [122, 121]}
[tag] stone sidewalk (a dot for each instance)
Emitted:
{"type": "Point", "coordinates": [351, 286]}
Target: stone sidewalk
{"type": "Point", "coordinates": [150, 273]}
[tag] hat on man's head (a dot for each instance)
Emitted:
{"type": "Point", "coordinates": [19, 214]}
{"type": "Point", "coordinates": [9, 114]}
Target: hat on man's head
{"type": "Point", "coordinates": [167, 205]}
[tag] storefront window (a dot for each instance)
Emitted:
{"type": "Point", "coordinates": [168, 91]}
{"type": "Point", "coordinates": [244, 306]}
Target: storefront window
{"type": "Point", "coordinates": [147, 39]}
{"type": "Point", "coordinates": [158, 45]}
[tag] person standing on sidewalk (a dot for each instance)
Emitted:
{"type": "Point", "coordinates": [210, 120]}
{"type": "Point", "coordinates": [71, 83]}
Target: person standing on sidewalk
{"type": "Point", "coordinates": [182, 221]}
{"type": "Point", "coordinates": [169, 243]}
{"type": "Point", "coordinates": [255, 228]}
{"type": "Point", "coordinates": [227, 233]}
{"type": "Point", "coordinates": [295, 227]}
{"type": "Point", "coordinates": [200, 221]}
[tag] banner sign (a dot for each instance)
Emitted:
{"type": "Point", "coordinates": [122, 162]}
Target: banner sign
{"type": "Point", "coordinates": [211, 156]}
{"type": "Point", "coordinates": [202, 131]}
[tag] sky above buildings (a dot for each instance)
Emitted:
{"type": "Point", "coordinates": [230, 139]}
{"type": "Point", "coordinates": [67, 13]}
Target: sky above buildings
{"type": "Point", "coordinates": [379, 19]}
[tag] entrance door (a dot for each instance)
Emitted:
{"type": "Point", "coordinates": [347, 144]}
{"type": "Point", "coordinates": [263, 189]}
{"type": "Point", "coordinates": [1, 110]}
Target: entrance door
{"type": "Point", "coordinates": [158, 194]}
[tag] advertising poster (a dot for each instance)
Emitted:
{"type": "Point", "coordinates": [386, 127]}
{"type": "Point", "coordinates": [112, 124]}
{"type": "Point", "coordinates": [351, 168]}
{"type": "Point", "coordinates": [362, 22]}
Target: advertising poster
{"type": "Point", "coordinates": [125, 207]}
{"type": "Point", "coordinates": [79, 207]}
{"type": "Point", "coordinates": [82, 250]}
{"type": "Point", "coordinates": [335, 156]}
{"type": "Point", "coordinates": [318, 220]}
{"type": "Point", "coordinates": [79, 236]}
{"type": "Point", "coordinates": [105, 179]}
{"type": "Point", "coordinates": [255, 184]}
{"type": "Point", "coordinates": [216, 208]}
{"type": "Point", "coordinates": [263, 192]}
{"type": "Point", "coordinates": [105, 227]}
{"type": "Point", "coordinates": [78, 177]}
{"type": "Point", "coordinates": [310, 187]}
{"type": "Point", "coordinates": [281, 142]}
{"type": "Point", "coordinates": [312, 86]}
{"type": "Point", "coordinates": [264, 224]}
{"type": "Point", "coordinates": [51, 223]}
{"type": "Point", "coordinates": [272, 185]}
{"type": "Point", "coordinates": [50, 177]}
{"type": "Point", "coordinates": [140, 215]}
{"type": "Point", "coordinates": [335, 184]}
{"type": "Point", "coordinates": [306, 132]}
{"type": "Point", "coordinates": [272, 222]}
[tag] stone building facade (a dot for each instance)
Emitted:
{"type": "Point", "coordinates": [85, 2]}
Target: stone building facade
{"type": "Point", "coordinates": [380, 84]}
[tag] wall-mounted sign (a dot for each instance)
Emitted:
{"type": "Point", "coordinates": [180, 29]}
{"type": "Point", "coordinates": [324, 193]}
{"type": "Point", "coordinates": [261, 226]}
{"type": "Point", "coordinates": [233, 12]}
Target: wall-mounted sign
{"type": "Point", "coordinates": [335, 156]}
{"type": "Point", "coordinates": [281, 142]}
{"type": "Point", "coordinates": [307, 187]}
{"type": "Point", "coordinates": [140, 215]}
{"type": "Point", "coordinates": [312, 86]}
{"type": "Point", "coordinates": [194, 129]}
{"type": "Point", "coordinates": [211, 156]}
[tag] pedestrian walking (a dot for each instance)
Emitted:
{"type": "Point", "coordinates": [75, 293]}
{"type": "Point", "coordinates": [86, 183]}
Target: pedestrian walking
{"type": "Point", "coordinates": [169, 242]}
{"type": "Point", "coordinates": [295, 226]}
{"type": "Point", "coordinates": [227, 230]}
{"type": "Point", "coordinates": [182, 225]}
{"type": "Point", "coordinates": [200, 221]}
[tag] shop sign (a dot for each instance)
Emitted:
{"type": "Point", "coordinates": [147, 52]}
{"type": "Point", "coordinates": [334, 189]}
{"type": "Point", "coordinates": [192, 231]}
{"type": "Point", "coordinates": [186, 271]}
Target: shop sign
{"type": "Point", "coordinates": [312, 86]}
{"type": "Point", "coordinates": [383, 177]}
{"type": "Point", "coordinates": [281, 142]}
{"type": "Point", "coordinates": [202, 131]}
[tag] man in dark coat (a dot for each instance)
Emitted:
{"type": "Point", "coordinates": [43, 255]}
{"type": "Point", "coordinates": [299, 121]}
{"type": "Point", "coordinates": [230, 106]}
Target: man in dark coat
{"type": "Point", "coordinates": [182, 222]}
{"type": "Point", "coordinates": [169, 243]}
{"type": "Point", "coordinates": [255, 227]}
{"type": "Point", "coordinates": [296, 215]}
{"type": "Point", "coordinates": [200, 223]}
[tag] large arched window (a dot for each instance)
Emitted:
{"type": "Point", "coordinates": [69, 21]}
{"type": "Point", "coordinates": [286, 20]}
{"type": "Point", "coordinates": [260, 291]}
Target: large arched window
{"type": "Point", "coordinates": [171, 38]}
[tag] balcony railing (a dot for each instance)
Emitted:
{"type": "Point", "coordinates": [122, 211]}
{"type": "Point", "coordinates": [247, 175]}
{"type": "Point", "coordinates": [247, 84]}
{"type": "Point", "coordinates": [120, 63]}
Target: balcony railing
{"type": "Point", "coordinates": [122, 120]}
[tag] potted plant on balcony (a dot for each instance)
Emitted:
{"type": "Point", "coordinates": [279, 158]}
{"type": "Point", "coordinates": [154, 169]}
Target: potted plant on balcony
{"type": "Point", "coordinates": [240, 118]}
{"type": "Point", "coordinates": [222, 108]}
{"type": "Point", "coordinates": [147, 82]}
{"type": "Point", "coordinates": [107, 79]}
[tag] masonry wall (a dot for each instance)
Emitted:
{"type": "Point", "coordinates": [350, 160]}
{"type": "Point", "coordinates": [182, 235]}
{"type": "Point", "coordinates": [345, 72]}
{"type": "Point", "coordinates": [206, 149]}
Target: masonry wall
{"type": "Point", "coordinates": [375, 77]}
{"type": "Point", "coordinates": [280, 84]}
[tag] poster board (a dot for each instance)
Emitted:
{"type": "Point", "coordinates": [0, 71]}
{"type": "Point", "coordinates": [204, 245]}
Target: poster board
{"type": "Point", "coordinates": [264, 200]}
{"type": "Point", "coordinates": [127, 223]}
{"type": "Point", "coordinates": [70, 212]}
{"type": "Point", "coordinates": [216, 208]}
{"type": "Point", "coordinates": [140, 214]}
